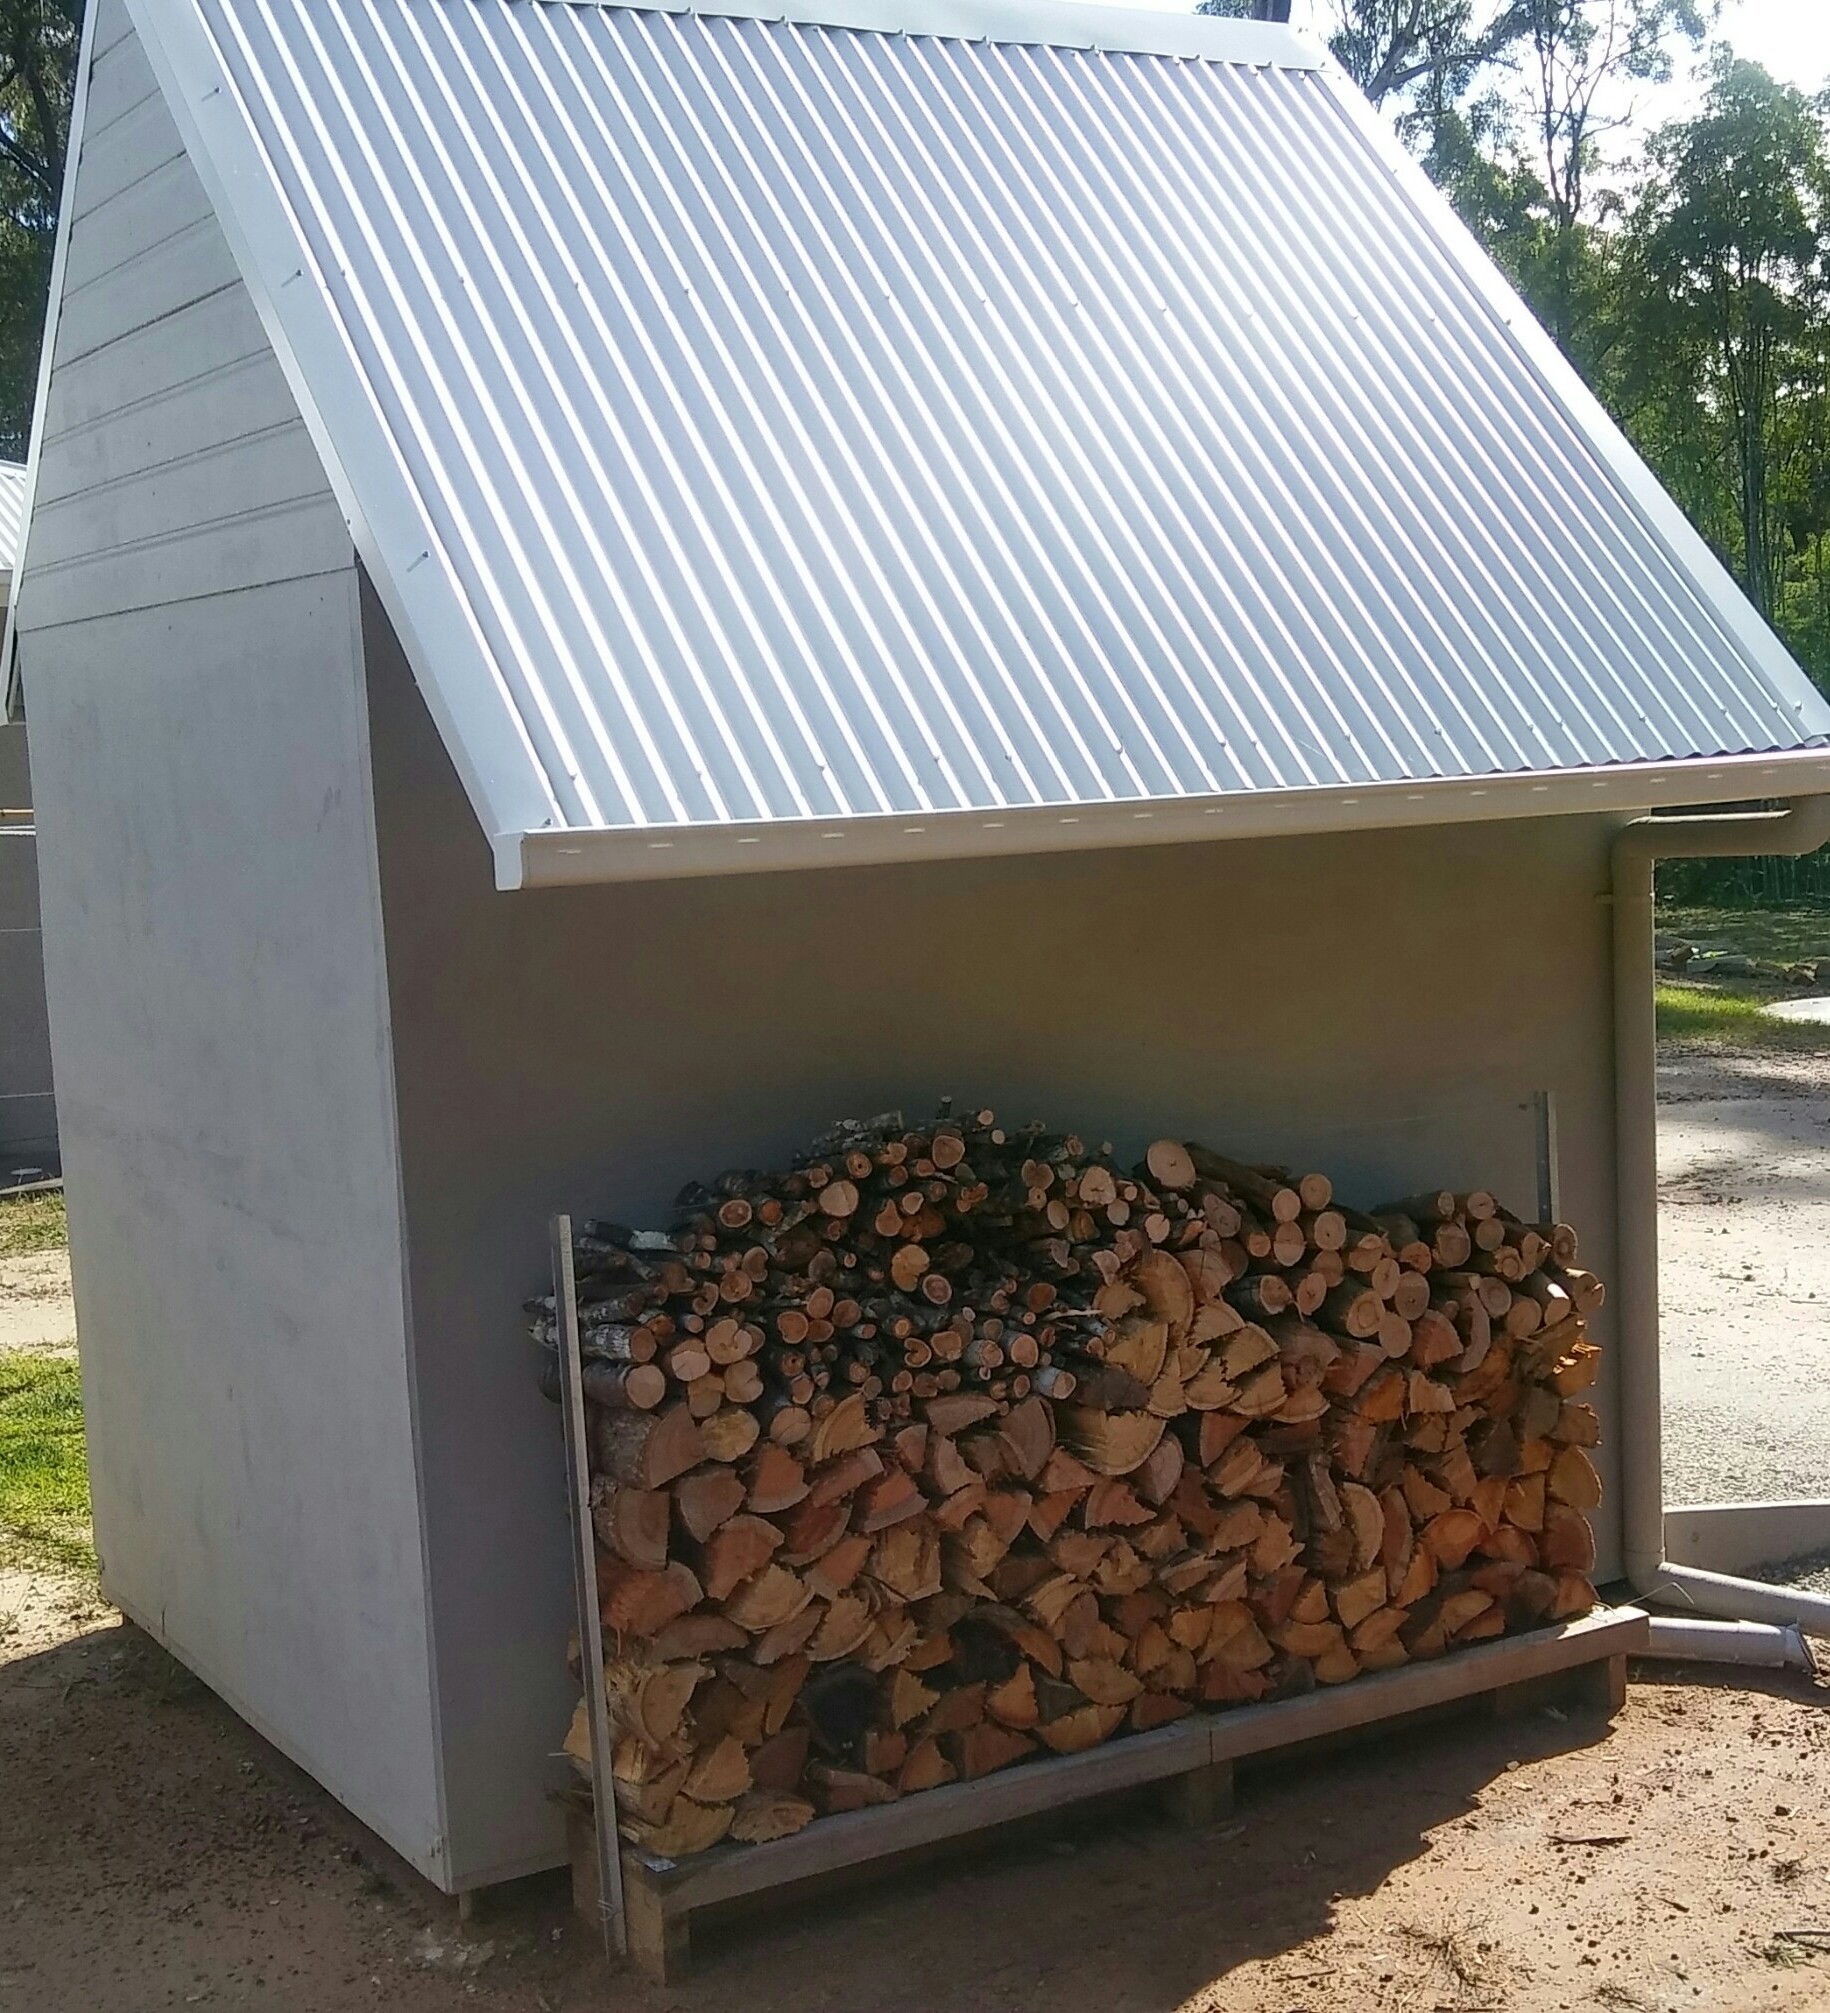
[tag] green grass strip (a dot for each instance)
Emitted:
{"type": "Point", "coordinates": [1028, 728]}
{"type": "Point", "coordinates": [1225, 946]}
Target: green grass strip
{"type": "Point", "coordinates": [30, 1224]}
{"type": "Point", "coordinates": [44, 1470]}
{"type": "Point", "coordinates": [1733, 1020]}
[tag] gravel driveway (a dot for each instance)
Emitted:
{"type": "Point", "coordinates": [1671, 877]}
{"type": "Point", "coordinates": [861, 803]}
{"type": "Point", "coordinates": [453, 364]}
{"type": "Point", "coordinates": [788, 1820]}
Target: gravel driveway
{"type": "Point", "coordinates": [1744, 1227]}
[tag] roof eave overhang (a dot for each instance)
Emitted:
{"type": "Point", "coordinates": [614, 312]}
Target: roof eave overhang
{"type": "Point", "coordinates": [648, 853]}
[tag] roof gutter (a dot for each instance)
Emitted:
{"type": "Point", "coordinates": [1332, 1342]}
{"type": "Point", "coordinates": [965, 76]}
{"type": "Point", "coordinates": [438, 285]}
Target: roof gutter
{"type": "Point", "coordinates": [561, 857]}
{"type": "Point", "coordinates": [1801, 829]}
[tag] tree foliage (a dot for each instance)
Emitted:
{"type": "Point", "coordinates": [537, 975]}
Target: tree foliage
{"type": "Point", "coordinates": [1578, 60]}
{"type": "Point", "coordinates": [1694, 297]}
{"type": "Point", "coordinates": [1731, 236]}
{"type": "Point", "coordinates": [38, 49]}
{"type": "Point", "coordinates": [1391, 47]}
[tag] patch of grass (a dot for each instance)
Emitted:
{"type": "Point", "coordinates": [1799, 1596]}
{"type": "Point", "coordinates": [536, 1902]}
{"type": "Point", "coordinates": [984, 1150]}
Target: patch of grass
{"type": "Point", "coordinates": [32, 1223]}
{"type": "Point", "coordinates": [44, 1470]}
{"type": "Point", "coordinates": [1783, 935]}
{"type": "Point", "coordinates": [1714, 1017]}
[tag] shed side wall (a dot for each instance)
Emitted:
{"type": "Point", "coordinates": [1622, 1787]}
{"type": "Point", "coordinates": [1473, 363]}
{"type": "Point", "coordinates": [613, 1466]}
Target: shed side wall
{"type": "Point", "coordinates": [190, 650]}
{"type": "Point", "coordinates": [1383, 1007]}
{"type": "Point", "coordinates": [28, 1111]}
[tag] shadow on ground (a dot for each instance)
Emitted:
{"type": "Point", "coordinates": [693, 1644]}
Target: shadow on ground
{"type": "Point", "coordinates": [155, 1852]}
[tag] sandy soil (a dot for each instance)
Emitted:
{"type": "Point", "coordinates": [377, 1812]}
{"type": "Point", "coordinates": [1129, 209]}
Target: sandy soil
{"type": "Point", "coordinates": [36, 1311]}
{"type": "Point", "coordinates": [154, 1852]}
{"type": "Point", "coordinates": [1744, 1236]}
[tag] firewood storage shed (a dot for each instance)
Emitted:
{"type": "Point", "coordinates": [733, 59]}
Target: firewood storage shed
{"type": "Point", "coordinates": [605, 584]}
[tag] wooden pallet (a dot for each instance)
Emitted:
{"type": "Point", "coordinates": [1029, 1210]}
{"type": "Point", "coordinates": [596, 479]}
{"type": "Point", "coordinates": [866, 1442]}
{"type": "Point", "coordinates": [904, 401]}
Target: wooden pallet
{"type": "Point", "coordinates": [1191, 1762]}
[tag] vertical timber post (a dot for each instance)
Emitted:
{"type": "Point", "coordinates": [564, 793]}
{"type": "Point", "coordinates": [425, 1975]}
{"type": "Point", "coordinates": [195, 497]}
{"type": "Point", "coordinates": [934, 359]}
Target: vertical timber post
{"type": "Point", "coordinates": [611, 1904]}
{"type": "Point", "coordinates": [1550, 1199]}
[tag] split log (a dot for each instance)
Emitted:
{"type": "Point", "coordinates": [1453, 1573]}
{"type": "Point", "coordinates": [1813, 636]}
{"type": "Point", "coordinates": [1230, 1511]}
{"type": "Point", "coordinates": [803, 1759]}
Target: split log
{"type": "Point", "coordinates": [1110, 1443]}
{"type": "Point", "coordinates": [646, 1450]}
{"type": "Point", "coordinates": [769, 1814]}
{"type": "Point", "coordinates": [958, 1443]}
{"type": "Point", "coordinates": [634, 1524]}
{"type": "Point", "coordinates": [641, 1604]}
{"type": "Point", "coordinates": [741, 1546]}
{"type": "Point", "coordinates": [689, 1828]}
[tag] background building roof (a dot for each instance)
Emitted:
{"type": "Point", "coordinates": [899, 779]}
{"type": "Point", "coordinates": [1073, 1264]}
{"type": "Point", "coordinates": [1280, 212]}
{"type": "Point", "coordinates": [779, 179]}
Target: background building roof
{"type": "Point", "coordinates": [12, 510]}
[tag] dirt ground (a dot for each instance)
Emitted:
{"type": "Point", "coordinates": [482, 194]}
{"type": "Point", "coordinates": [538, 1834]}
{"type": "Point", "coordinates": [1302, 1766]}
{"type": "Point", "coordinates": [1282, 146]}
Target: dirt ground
{"type": "Point", "coordinates": [1744, 1247]}
{"type": "Point", "coordinates": [154, 1852]}
{"type": "Point", "coordinates": [35, 1306]}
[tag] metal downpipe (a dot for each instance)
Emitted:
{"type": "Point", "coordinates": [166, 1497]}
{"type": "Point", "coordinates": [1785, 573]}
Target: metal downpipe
{"type": "Point", "coordinates": [1684, 1640]}
{"type": "Point", "coordinates": [1801, 829]}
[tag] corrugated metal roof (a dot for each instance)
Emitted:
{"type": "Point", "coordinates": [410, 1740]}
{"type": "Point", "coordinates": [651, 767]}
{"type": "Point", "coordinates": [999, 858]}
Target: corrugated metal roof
{"type": "Point", "coordinates": [758, 420]}
{"type": "Point", "coordinates": [12, 509]}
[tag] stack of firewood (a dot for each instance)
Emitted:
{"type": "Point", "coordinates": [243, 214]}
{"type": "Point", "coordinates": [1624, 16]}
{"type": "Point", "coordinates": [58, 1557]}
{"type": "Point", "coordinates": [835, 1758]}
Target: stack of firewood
{"type": "Point", "coordinates": [958, 1445]}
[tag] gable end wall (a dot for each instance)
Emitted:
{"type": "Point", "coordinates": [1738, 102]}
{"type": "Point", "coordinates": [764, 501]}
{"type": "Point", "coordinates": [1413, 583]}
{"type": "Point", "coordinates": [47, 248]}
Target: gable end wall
{"type": "Point", "coordinates": [189, 639]}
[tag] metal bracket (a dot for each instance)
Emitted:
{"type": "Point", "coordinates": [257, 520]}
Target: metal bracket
{"type": "Point", "coordinates": [610, 1901]}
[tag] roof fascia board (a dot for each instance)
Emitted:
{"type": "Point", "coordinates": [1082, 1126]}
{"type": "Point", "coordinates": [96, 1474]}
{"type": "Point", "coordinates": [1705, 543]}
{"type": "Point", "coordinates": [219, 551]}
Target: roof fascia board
{"type": "Point", "coordinates": [1051, 24]}
{"type": "Point", "coordinates": [1610, 446]}
{"type": "Point", "coordinates": [13, 706]}
{"type": "Point", "coordinates": [384, 514]}
{"type": "Point", "coordinates": [558, 859]}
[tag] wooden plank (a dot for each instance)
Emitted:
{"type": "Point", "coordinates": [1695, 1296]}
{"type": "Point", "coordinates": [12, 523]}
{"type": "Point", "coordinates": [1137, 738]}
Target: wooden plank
{"type": "Point", "coordinates": [1465, 1673]}
{"type": "Point", "coordinates": [660, 1937]}
{"type": "Point", "coordinates": [112, 26]}
{"type": "Point", "coordinates": [727, 1872]}
{"type": "Point", "coordinates": [1192, 1761]}
{"type": "Point", "coordinates": [1596, 1687]}
{"type": "Point", "coordinates": [216, 473]}
{"type": "Point", "coordinates": [157, 207]}
{"type": "Point", "coordinates": [245, 400]}
{"type": "Point", "coordinates": [1203, 1796]}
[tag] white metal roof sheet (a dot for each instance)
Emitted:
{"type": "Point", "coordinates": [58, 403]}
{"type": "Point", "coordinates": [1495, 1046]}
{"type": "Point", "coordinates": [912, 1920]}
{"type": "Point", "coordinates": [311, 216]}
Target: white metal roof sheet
{"type": "Point", "coordinates": [777, 424]}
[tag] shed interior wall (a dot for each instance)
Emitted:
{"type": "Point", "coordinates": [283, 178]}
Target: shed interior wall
{"type": "Point", "coordinates": [189, 637]}
{"type": "Point", "coordinates": [1383, 1007]}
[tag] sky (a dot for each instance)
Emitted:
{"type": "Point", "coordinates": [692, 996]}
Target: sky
{"type": "Point", "coordinates": [1791, 37]}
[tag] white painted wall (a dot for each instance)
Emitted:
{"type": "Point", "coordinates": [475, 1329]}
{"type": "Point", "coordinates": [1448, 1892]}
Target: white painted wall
{"type": "Point", "coordinates": [1381, 1006]}
{"type": "Point", "coordinates": [190, 652]}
